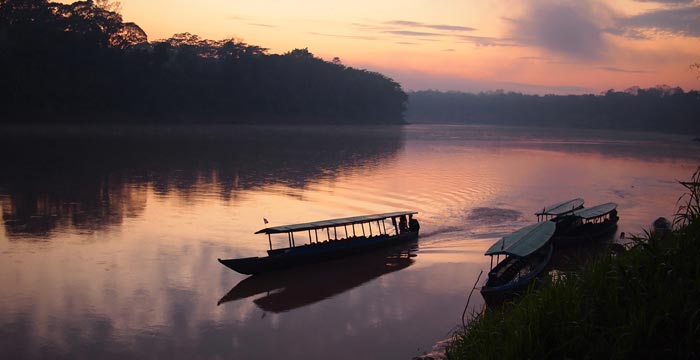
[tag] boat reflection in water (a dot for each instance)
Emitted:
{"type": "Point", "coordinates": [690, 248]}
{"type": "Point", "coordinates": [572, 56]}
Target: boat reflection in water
{"type": "Point", "coordinates": [305, 285]}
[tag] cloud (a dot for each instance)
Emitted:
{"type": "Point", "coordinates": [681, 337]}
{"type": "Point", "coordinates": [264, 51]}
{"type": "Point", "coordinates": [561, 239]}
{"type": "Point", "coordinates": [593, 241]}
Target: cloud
{"type": "Point", "coordinates": [530, 58]}
{"type": "Point", "coordinates": [581, 30]}
{"type": "Point", "coordinates": [487, 41]}
{"type": "Point", "coordinates": [667, 1]}
{"type": "Point", "coordinates": [575, 29]}
{"type": "Point", "coordinates": [262, 25]}
{"type": "Point", "coordinates": [416, 31]}
{"type": "Point", "coordinates": [412, 33]}
{"type": "Point", "coordinates": [415, 24]}
{"type": "Point", "coordinates": [619, 70]}
{"type": "Point", "coordinates": [679, 21]}
{"type": "Point", "coordinates": [358, 37]}
{"type": "Point", "coordinates": [431, 32]}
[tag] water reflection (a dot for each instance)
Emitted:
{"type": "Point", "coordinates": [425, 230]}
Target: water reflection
{"type": "Point", "coordinates": [120, 234]}
{"type": "Point", "coordinates": [91, 179]}
{"type": "Point", "coordinates": [647, 146]}
{"type": "Point", "coordinates": [294, 288]}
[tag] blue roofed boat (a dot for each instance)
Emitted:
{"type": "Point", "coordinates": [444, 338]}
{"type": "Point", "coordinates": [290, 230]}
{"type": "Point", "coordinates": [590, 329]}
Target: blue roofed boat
{"type": "Point", "coordinates": [357, 234]}
{"type": "Point", "coordinates": [526, 254]}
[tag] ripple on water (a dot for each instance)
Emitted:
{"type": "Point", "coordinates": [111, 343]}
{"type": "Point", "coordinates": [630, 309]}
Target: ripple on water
{"type": "Point", "coordinates": [493, 216]}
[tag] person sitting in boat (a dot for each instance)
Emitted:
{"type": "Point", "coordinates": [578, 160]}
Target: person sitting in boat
{"type": "Point", "coordinates": [413, 225]}
{"type": "Point", "coordinates": [403, 224]}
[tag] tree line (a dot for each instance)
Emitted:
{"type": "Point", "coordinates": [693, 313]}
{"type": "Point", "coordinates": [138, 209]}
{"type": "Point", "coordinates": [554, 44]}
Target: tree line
{"type": "Point", "coordinates": [660, 108]}
{"type": "Point", "coordinates": [81, 62]}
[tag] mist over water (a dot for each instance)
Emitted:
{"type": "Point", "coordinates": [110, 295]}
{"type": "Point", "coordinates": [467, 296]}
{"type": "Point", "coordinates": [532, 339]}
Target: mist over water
{"type": "Point", "coordinates": [109, 239]}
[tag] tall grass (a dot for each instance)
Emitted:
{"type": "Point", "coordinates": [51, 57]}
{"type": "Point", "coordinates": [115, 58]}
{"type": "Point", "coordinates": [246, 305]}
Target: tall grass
{"type": "Point", "coordinates": [643, 303]}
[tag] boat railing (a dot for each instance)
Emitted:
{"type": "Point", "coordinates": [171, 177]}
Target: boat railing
{"type": "Point", "coordinates": [354, 231]}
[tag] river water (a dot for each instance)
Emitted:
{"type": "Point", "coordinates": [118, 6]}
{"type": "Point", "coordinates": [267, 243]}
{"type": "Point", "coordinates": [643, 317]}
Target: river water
{"type": "Point", "coordinates": [110, 236]}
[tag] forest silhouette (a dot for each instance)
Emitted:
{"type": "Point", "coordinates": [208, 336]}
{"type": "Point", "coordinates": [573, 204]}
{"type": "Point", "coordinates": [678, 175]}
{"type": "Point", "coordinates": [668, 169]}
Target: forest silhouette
{"type": "Point", "coordinates": [80, 62]}
{"type": "Point", "coordinates": [659, 109]}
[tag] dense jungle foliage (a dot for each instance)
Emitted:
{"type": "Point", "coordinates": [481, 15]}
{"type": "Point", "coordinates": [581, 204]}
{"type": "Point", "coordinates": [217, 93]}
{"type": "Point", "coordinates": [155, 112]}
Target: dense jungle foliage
{"type": "Point", "coordinates": [81, 62]}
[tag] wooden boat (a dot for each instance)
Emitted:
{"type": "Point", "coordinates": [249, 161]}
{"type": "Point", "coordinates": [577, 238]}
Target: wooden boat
{"type": "Point", "coordinates": [361, 233]}
{"type": "Point", "coordinates": [527, 253]}
{"type": "Point", "coordinates": [586, 224]}
{"type": "Point", "coordinates": [305, 285]}
{"type": "Point", "coordinates": [559, 209]}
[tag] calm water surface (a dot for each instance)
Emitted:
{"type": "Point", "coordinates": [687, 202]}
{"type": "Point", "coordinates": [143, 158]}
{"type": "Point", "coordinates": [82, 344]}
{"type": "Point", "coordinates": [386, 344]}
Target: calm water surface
{"type": "Point", "coordinates": [109, 245]}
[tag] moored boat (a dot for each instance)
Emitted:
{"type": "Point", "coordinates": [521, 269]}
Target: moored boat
{"type": "Point", "coordinates": [559, 209]}
{"type": "Point", "coordinates": [586, 224]}
{"type": "Point", "coordinates": [357, 234]}
{"type": "Point", "coordinates": [527, 253]}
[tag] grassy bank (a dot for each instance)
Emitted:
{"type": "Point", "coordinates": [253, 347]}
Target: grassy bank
{"type": "Point", "coordinates": [642, 303]}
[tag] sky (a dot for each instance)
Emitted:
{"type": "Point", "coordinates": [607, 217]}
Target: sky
{"type": "Point", "coordinates": [531, 46]}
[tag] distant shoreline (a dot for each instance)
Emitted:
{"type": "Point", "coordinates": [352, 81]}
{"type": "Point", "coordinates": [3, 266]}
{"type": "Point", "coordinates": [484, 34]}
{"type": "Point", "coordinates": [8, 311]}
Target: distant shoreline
{"type": "Point", "coordinates": [659, 109]}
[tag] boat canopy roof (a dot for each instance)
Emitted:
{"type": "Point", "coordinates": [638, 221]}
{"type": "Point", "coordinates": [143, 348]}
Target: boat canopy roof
{"type": "Point", "coordinates": [561, 208]}
{"type": "Point", "coordinates": [596, 211]}
{"type": "Point", "coordinates": [524, 241]}
{"type": "Point", "coordinates": [332, 222]}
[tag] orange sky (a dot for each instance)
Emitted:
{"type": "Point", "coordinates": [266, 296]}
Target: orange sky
{"type": "Point", "coordinates": [534, 46]}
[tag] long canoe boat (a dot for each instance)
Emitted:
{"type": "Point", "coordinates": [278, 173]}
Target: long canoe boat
{"type": "Point", "coordinates": [527, 253]}
{"type": "Point", "coordinates": [357, 234]}
{"type": "Point", "coordinates": [587, 224]}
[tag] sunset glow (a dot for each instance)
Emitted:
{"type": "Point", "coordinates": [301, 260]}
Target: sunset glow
{"type": "Point", "coordinates": [532, 46]}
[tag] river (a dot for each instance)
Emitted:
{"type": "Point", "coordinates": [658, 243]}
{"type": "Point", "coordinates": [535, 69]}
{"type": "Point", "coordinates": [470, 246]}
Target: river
{"type": "Point", "coordinates": [110, 236]}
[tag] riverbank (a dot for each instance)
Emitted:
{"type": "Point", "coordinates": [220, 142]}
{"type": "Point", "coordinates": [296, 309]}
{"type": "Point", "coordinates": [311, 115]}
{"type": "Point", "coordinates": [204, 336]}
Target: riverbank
{"type": "Point", "coordinates": [641, 303]}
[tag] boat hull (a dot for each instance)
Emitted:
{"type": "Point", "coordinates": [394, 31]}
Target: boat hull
{"type": "Point", "coordinates": [308, 254]}
{"type": "Point", "coordinates": [497, 289]}
{"type": "Point", "coordinates": [583, 234]}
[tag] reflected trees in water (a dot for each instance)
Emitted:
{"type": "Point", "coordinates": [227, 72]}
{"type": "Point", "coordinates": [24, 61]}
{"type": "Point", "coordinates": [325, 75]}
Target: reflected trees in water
{"type": "Point", "coordinates": [88, 182]}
